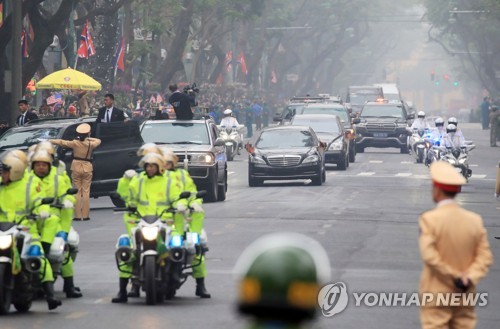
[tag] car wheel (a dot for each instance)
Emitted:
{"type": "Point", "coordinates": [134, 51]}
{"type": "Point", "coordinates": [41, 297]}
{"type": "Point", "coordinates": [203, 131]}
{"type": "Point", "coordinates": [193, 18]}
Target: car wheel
{"type": "Point", "coordinates": [360, 149]}
{"type": "Point", "coordinates": [118, 202]}
{"type": "Point", "coordinates": [404, 150]}
{"type": "Point", "coordinates": [221, 195]}
{"type": "Point", "coordinates": [343, 163]}
{"type": "Point", "coordinates": [323, 176]}
{"type": "Point", "coordinates": [318, 179]}
{"type": "Point", "coordinates": [212, 188]}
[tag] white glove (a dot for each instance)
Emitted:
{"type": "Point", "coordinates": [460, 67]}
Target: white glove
{"type": "Point", "coordinates": [44, 214]}
{"type": "Point", "coordinates": [181, 207]}
{"type": "Point", "coordinates": [129, 173]}
{"type": "Point", "coordinates": [68, 204]}
{"type": "Point", "coordinates": [197, 207]}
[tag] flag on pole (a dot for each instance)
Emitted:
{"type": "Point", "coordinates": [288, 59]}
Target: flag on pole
{"type": "Point", "coordinates": [86, 48]}
{"type": "Point", "coordinates": [243, 63]}
{"type": "Point", "coordinates": [120, 56]}
{"type": "Point", "coordinates": [274, 79]}
{"type": "Point", "coordinates": [54, 99]}
{"type": "Point", "coordinates": [229, 61]}
{"type": "Point", "coordinates": [24, 44]}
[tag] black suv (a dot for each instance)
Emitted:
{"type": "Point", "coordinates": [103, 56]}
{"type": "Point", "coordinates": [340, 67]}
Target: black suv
{"type": "Point", "coordinates": [199, 149]}
{"type": "Point", "coordinates": [117, 152]}
{"type": "Point", "coordinates": [382, 124]}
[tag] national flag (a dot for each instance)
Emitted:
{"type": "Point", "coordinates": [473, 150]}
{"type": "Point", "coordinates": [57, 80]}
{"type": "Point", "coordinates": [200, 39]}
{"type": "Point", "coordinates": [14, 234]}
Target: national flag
{"type": "Point", "coordinates": [274, 79]}
{"type": "Point", "coordinates": [24, 44]}
{"type": "Point", "coordinates": [159, 99]}
{"type": "Point", "coordinates": [152, 100]}
{"type": "Point", "coordinates": [243, 63]}
{"type": "Point", "coordinates": [120, 56]}
{"type": "Point", "coordinates": [218, 82]}
{"type": "Point", "coordinates": [86, 48]}
{"type": "Point", "coordinates": [54, 99]}
{"type": "Point", "coordinates": [1, 13]}
{"type": "Point", "coordinates": [229, 61]}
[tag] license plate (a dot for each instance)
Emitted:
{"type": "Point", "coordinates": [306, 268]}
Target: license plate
{"type": "Point", "coordinates": [380, 135]}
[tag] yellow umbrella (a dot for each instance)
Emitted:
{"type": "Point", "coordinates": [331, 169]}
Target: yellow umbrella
{"type": "Point", "coordinates": [68, 79]}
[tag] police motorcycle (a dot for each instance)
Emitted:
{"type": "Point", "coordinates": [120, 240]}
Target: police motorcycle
{"type": "Point", "coordinates": [459, 158]}
{"type": "Point", "coordinates": [152, 251]}
{"type": "Point", "coordinates": [20, 264]}
{"type": "Point", "coordinates": [434, 150]}
{"type": "Point", "coordinates": [232, 139]}
{"type": "Point", "coordinates": [420, 143]}
{"type": "Point", "coordinates": [65, 245]}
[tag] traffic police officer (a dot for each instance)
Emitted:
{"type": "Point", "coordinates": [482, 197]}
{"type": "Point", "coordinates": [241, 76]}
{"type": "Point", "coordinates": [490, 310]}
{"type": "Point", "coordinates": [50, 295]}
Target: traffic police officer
{"type": "Point", "coordinates": [197, 217]}
{"type": "Point", "coordinates": [280, 276]}
{"type": "Point", "coordinates": [20, 194]}
{"type": "Point", "coordinates": [455, 251]}
{"type": "Point", "coordinates": [81, 167]}
{"type": "Point", "coordinates": [54, 186]}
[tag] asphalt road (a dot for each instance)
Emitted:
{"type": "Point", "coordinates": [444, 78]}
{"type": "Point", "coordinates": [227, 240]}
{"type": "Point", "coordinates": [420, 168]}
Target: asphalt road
{"type": "Point", "coordinates": [365, 217]}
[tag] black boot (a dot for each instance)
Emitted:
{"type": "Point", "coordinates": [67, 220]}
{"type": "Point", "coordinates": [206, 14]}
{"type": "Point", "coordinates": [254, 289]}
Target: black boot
{"type": "Point", "coordinates": [122, 294]}
{"type": "Point", "coordinates": [70, 289]}
{"type": "Point", "coordinates": [201, 291]}
{"type": "Point", "coordinates": [52, 302]}
{"type": "Point", "coordinates": [135, 291]}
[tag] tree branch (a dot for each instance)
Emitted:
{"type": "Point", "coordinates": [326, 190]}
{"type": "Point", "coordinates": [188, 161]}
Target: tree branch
{"type": "Point", "coordinates": [101, 11]}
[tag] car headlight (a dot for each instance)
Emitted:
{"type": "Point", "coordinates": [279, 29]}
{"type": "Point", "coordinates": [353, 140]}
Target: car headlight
{"type": "Point", "coordinates": [257, 159]}
{"type": "Point", "coordinates": [311, 159]}
{"type": "Point", "coordinates": [335, 146]}
{"type": "Point", "coordinates": [204, 158]}
{"type": "Point", "coordinates": [150, 233]}
{"type": "Point", "coordinates": [5, 241]}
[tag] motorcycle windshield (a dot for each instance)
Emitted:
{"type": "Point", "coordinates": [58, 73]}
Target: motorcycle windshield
{"type": "Point", "coordinates": [5, 226]}
{"type": "Point", "coordinates": [456, 152]}
{"type": "Point", "coordinates": [150, 219]}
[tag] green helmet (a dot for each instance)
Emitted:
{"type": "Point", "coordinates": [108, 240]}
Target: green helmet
{"type": "Point", "coordinates": [280, 277]}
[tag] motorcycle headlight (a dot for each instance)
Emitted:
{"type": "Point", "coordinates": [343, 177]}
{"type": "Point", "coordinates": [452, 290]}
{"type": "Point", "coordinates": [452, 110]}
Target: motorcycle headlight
{"type": "Point", "coordinates": [150, 233]}
{"type": "Point", "coordinates": [335, 146]}
{"type": "Point", "coordinates": [204, 158]}
{"type": "Point", "coordinates": [461, 161]}
{"type": "Point", "coordinates": [311, 159]}
{"type": "Point", "coordinates": [451, 161]}
{"type": "Point", "coordinates": [257, 159]}
{"type": "Point", "coordinates": [5, 241]}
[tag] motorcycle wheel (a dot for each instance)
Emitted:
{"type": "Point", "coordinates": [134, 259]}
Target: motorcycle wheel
{"type": "Point", "coordinates": [420, 155]}
{"type": "Point", "coordinates": [229, 152]}
{"type": "Point", "coordinates": [150, 279]}
{"type": "Point", "coordinates": [5, 288]}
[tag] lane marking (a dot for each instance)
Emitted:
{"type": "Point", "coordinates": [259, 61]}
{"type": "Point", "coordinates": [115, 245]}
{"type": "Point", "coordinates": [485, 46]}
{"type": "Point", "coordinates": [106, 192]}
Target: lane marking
{"type": "Point", "coordinates": [376, 161]}
{"type": "Point", "coordinates": [404, 174]}
{"type": "Point", "coordinates": [478, 176]}
{"type": "Point", "coordinates": [76, 315]}
{"type": "Point", "coordinates": [407, 162]}
{"type": "Point", "coordinates": [473, 165]}
{"type": "Point", "coordinates": [230, 172]}
{"type": "Point", "coordinates": [366, 173]}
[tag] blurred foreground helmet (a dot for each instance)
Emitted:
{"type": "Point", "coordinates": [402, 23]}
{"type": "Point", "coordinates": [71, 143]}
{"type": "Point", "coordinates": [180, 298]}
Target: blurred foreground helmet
{"type": "Point", "coordinates": [21, 155]}
{"type": "Point", "coordinates": [46, 146]}
{"type": "Point", "coordinates": [148, 148]}
{"type": "Point", "coordinates": [153, 158]}
{"type": "Point", "coordinates": [439, 122]}
{"type": "Point", "coordinates": [228, 112]}
{"type": "Point", "coordinates": [16, 167]}
{"type": "Point", "coordinates": [280, 276]}
{"type": "Point", "coordinates": [169, 156]}
{"type": "Point", "coordinates": [451, 128]}
{"type": "Point", "coordinates": [421, 114]}
{"type": "Point", "coordinates": [453, 120]}
{"type": "Point", "coordinates": [41, 156]}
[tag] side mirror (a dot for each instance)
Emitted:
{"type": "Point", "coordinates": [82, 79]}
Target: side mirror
{"type": "Point", "coordinates": [219, 142]}
{"type": "Point", "coordinates": [201, 194]}
{"type": "Point", "coordinates": [185, 195]}
{"type": "Point", "coordinates": [356, 121]}
{"type": "Point", "coordinates": [410, 116]}
{"type": "Point", "coordinates": [72, 191]}
{"type": "Point", "coordinates": [48, 200]}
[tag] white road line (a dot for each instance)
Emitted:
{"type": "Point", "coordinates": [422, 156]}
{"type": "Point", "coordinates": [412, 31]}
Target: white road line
{"type": "Point", "coordinates": [230, 172]}
{"type": "Point", "coordinates": [404, 174]}
{"type": "Point", "coordinates": [407, 162]}
{"type": "Point", "coordinates": [478, 176]}
{"type": "Point", "coordinates": [366, 173]}
{"type": "Point", "coordinates": [422, 176]}
{"type": "Point", "coordinates": [473, 165]}
{"type": "Point", "coordinates": [376, 161]}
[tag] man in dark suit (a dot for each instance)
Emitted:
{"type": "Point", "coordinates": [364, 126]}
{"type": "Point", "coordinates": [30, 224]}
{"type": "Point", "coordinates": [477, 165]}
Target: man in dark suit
{"type": "Point", "coordinates": [181, 103]}
{"type": "Point", "coordinates": [26, 115]}
{"type": "Point", "coordinates": [109, 113]}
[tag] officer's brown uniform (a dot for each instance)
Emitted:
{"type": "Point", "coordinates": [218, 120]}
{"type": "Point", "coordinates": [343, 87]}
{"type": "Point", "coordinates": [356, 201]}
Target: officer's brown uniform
{"type": "Point", "coordinates": [452, 241]}
{"type": "Point", "coordinates": [81, 168]}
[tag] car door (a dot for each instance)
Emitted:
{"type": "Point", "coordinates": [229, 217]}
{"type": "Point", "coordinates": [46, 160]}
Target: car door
{"type": "Point", "coordinates": [219, 151]}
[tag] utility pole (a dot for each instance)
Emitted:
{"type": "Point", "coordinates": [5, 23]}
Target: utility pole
{"type": "Point", "coordinates": [16, 92]}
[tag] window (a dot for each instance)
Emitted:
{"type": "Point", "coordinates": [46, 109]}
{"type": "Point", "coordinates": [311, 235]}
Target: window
{"type": "Point", "coordinates": [26, 138]}
{"type": "Point", "coordinates": [176, 133]}
{"type": "Point", "coordinates": [285, 139]}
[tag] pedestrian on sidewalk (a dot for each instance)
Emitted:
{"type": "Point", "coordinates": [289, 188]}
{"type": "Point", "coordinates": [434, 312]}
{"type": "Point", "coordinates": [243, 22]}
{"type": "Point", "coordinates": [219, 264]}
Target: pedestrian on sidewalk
{"type": "Point", "coordinates": [485, 109]}
{"type": "Point", "coordinates": [494, 123]}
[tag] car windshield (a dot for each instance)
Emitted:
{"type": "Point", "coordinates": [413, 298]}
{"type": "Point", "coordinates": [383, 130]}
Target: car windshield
{"type": "Point", "coordinates": [338, 111]}
{"type": "Point", "coordinates": [360, 99]}
{"type": "Point", "coordinates": [288, 138]}
{"type": "Point", "coordinates": [319, 126]}
{"type": "Point", "coordinates": [382, 111]}
{"type": "Point", "coordinates": [176, 133]}
{"type": "Point", "coordinates": [26, 138]}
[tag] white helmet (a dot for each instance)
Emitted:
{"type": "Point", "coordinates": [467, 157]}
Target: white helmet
{"type": "Point", "coordinates": [439, 122]}
{"type": "Point", "coordinates": [453, 121]}
{"type": "Point", "coordinates": [13, 164]}
{"type": "Point", "coordinates": [421, 114]}
{"type": "Point", "coordinates": [228, 112]}
{"type": "Point", "coordinates": [451, 128]}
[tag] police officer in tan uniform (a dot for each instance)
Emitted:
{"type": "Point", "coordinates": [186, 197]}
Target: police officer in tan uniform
{"type": "Point", "coordinates": [81, 167]}
{"type": "Point", "coordinates": [455, 251]}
